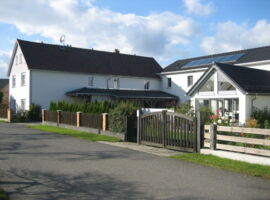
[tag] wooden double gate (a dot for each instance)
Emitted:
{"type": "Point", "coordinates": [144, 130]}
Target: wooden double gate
{"type": "Point", "coordinates": [168, 130]}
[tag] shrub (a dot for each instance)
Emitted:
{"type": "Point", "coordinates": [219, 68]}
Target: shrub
{"type": "Point", "coordinates": [34, 112]}
{"type": "Point", "coordinates": [117, 116]}
{"type": "Point", "coordinates": [184, 108]}
{"type": "Point", "coordinates": [252, 123]}
{"type": "Point", "coordinates": [205, 114]}
{"type": "Point", "coordinates": [266, 124]}
{"type": "Point", "coordinates": [1, 97]}
{"type": "Point", "coordinates": [21, 116]}
{"type": "Point", "coordinates": [261, 115]}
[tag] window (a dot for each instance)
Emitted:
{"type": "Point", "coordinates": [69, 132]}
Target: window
{"type": "Point", "coordinates": [23, 104]}
{"type": "Point", "coordinates": [223, 84]}
{"type": "Point", "coordinates": [20, 60]}
{"type": "Point", "coordinates": [16, 60]}
{"type": "Point", "coordinates": [116, 83]}
{"type": "Point", "coordinates": [91, 81]}
{"type": "Point", "coordinates": [13, 81]}
{"type": "Point", "coordinates": [146, 85]}
{"type": "Point", "coordinates": [190, 80]}
{"type": "Point", "coordinates": [208, 86]}
{"type": "Point", "coordinates": [23, 79]}
{"type": "Point", "coordinates": [169, 82]}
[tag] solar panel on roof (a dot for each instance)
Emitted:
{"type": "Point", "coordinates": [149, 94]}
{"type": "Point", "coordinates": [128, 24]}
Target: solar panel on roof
{"type": "Point", "coordinates": [205, 61]}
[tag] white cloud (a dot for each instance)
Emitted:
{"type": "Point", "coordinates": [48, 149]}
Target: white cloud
{"type": "Point", "coordinates": [230, 36]}
{"type": "Point", "coordinates": [199, 7]}
{"type": "Point", "coordinates": [4, 61]}
{"type": "Point", "coordinates": [87, 25]}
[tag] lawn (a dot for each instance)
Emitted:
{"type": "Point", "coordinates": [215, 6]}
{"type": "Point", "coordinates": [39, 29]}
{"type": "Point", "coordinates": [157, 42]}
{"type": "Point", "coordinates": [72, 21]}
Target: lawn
{"type": "Point", "coordinates": [3, 195]}
{"type": "Point", "coordinates": [75, 133]}
{"type": "Point", "coordinates": [227, 164]}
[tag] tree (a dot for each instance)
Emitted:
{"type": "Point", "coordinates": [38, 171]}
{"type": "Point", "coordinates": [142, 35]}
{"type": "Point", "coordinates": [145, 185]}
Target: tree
{"type": "Point", "coordinates": [1, 97]}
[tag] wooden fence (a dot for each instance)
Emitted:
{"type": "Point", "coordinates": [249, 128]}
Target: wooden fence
{"type": "Point", "coordinates": [3, 112]}
{"type": "Point", "coordinates": [91, 120]}
{"type": "Point", "coordinates": [239, 139]}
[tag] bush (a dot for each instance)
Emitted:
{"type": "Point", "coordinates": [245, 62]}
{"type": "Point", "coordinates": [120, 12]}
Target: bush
{"type": "Point", "coordinates": [261, 116]}
{"type": "Point", "coordinates": [1, 97]}
{"type": "Point", "coordinates": [205, 114]}
{"type": "Point", "coordinates": [184, 108]}
{"type": "Point", "coordinates": [252, 123]}
{"type": "Point", "coordinates": [34, 112]}
{"type": "Point", "coordinates": [117, 116]}
{"type": "Point", "coordinates": [21, 116]}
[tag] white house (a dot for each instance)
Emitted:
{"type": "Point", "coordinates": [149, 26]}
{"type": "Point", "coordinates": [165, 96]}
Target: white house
{"type": "Point", "coordinates": [40, 73]}
{"type": "Point", "coordinates": [211, 85]}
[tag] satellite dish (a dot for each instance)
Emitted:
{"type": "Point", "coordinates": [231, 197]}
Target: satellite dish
{"type": "Point", "coordinates": [62, 39]}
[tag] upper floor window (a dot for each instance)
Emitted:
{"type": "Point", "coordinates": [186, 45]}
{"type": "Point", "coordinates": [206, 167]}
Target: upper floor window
{"type": "Point", "coordinates": [169, 82]}
{"type": "Point", "coordinates": [23, 79]}
{"type": "Point", "coordinates": [13, 81]}
{"type": "Point", "coordinates": [116, 83]}
{"type": "Point", "coordinates": [20, 59]}
{"type": "Point", "coordinates": [91, 81]}
{"type": "Point", "coordinates": [190, 81]}
{"type": "Point", "coordinates": [224, 85]}
{"type": "Point", "coordinates": [146, 85]}
{"type": "Point", "coordinates": [16, 60]}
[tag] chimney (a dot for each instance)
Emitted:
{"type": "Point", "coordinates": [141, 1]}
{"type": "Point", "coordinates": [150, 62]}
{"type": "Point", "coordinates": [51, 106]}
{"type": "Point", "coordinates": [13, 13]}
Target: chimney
{"type": "Point", "coordinates": [116, 51]}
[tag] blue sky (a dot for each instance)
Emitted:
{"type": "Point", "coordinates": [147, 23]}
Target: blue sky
{"type": "Point", "coordinates": [166, 30]}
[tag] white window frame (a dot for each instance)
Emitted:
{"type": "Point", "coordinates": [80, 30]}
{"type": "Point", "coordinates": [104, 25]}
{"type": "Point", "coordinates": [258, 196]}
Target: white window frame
{"type": "Point", "coordinates": [188, 79]}
{"type": "Point", "coordinates": [146, 85]}
{"type": "Point", "coordinates": [23, 101]}
{"type": "Point", "coordinates": [13, 81]}
{"type": "Point", "coordinates": [23, 79]}
{"type": "Point", "coordinates": [116, 83]}
{"type": "Point", "coordinates": [91, 81]}
{"type": "Point", "coordinates": [20, 59]}
{"type": "Point", "coordinates": [16, 59]}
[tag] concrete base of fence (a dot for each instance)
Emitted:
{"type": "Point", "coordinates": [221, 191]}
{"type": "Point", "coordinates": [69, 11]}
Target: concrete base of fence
{"type": "Point", "coordinates": [238, 156]}
{"type": "Point", "coordinates": [121, 136]}
{"type": "Point", "coordinates": [4, 119]}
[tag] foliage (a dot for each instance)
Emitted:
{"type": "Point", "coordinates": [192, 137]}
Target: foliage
{"type": "Point", "coordinates": [34, 112]}
{"type": "Point", "coordinates": [1, 97]}
{"type": "Point", "coordinates": [252, 123]}
{"type": "Point", "coordinates": [261, 115]}
{"type": "Point", "coordinates": [86, 107]}
{"type": "Point", "coordinates": [75, 133]}
{"type": "Point", "coordinates": [117, 117]}
{"type": "Point", "coordinates": [184, 108]}
{"type": "Point", "coordinates": [266, 124]}
{"type": "Point", "coordinates": [21, 116]}
{"type": "Point", "coordinates": [205, 114]}
{"type": "Point", "coordinates": [227, 164]}
{"type": "Point", "coordinates": [3, 195]}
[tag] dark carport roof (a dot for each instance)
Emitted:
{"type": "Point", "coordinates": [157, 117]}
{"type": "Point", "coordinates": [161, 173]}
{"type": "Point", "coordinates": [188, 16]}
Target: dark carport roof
{"type": "Point", "coordinates": [70, 59]}
{"type": "Point", "coordinates": [123, 94]}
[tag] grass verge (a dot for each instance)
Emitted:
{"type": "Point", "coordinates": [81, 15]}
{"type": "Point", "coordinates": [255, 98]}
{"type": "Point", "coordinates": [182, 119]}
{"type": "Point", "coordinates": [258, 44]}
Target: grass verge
{"type": "Point", "coordinates": [227, 164]}
{"type": "Point", "coordinates": [3, 195]}
{"type": "Point", "coordinates": [75, 133]}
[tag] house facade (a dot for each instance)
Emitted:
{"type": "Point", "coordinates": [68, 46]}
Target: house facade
{"type": "Point", "coordinates": [40, 73]}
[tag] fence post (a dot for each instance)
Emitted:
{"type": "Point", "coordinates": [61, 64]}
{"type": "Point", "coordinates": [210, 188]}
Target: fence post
{"type": "Point", "coordinates": [78, 119]}
{"type": "Point", "coordinates": [198, 131]}
{"type": "Point", "coordinates": [104, 121]}
{"type": "Point", "coordinates": [9, 114]}
{"type": "Point", "coordinates": [43, 115]}
{"type": "Point", "coordinates": [138, 126]}
{"type": "Point", "coordinates": [164, 121]}
{"type": "Point", "coordinates": [213, 136]}
{"type": "Point", "coordinates": [58, 117]}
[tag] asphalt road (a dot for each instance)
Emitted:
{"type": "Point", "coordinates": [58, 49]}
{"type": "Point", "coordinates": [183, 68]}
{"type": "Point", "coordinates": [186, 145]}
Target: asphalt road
{"type": "Point", "coordinates": [45, 166]}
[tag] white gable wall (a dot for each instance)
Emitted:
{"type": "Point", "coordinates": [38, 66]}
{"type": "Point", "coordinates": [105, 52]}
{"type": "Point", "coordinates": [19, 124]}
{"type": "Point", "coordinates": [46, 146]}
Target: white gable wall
{"type": "Point", "coordinates": [50, 86]}
{"type": "Point", "coordinates": [19, 92]}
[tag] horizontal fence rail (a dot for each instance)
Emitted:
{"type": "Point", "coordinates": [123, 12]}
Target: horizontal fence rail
{"type": "Point", "coordinates": [91, 120]}
{"type": "Point", "coordinates": [50, 116]}
{"type": "Point", "coordinates": [239, 139]}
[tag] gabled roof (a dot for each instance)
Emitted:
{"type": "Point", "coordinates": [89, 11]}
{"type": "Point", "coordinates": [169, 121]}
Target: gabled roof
{"type": "Point", "coordinates": [249, 55]}
{"type": "Point", "coordinates": [70, 59]}
{"type": "Point", "coordinates": [248, 80]}
{"type": "Point", "coordinates": [123, 94]}
{"type": "Point", "coordinates": [3, 83]}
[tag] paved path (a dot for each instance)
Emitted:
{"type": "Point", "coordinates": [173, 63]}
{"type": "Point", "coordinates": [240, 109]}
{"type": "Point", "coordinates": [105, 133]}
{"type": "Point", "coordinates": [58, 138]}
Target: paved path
{"type": "Point", "coordinates": [42, 166]}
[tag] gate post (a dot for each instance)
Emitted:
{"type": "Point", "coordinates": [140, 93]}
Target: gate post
{"type": "Point", "coordinates": [164, 121]}
{"type": "Point", "coordinates": [138, 126]}
{"type": "Point", "coordinates": [198, 131]}
{"type": "Point", "coordinates": [213, 136]}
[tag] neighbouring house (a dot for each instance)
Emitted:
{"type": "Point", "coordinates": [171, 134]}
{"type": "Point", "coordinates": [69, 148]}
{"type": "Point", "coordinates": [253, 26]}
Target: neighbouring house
{"type": "Point", "coordinates": [40, 73]}
{"type": "Point", "coordinates": [4, 88]}
{"type": "Point", "coordinates": [234, 88]}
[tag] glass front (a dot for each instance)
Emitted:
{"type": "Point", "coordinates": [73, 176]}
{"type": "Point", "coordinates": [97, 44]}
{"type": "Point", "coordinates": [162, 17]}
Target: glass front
{"type": "Point", "coordinates": [223, 84]}
{"type": "Point", "coordinates": [208, 86]}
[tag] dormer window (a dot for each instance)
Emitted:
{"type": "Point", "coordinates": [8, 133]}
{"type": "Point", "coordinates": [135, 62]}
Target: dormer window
{"type": "Point", "coordinates": [146, 85]}
{"type": "Point", "coordinates": [116, 83]}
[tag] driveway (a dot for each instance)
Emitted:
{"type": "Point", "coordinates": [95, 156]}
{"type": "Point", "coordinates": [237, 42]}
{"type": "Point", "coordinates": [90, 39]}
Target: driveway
{"type": "Point", "coordinates": [43, 166]}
